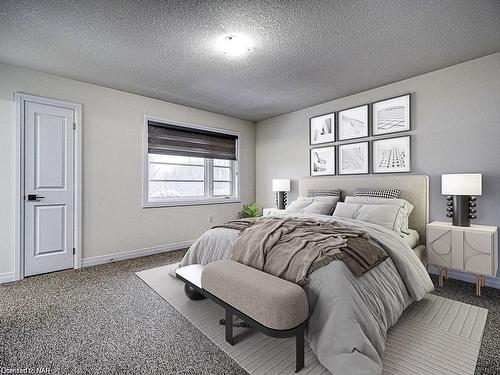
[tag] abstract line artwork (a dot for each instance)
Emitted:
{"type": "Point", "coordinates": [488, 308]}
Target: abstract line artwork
{"type": "Point", "coordinates": [322, 161]}
{"type": "Point", "coordinates": [353, 158]}
{"type": "Point", "coordinates": [353, 123]}
{"type": "Point", "coordinates": [322, 129]}
{"type": "Point", "coordinates": [391, 118]}
{"type": "Point", "coordinates": [391, 115]}
{"type": "Point", "coordinates": [391, 155]}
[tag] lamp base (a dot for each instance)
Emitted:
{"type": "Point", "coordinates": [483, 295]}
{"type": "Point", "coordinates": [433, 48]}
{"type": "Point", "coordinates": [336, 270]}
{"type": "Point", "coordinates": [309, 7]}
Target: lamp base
{"type": "Point", "coordinates": [281, 200]}
{"type": "Point", "coordinates": [461, 217]}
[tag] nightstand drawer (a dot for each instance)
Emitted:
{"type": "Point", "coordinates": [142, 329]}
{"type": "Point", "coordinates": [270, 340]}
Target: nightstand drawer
{"type": "Point", "coordinates": [439, 245]}
{"type": "Point", "coordinates": [478, 249]}
{"type": "Point", "coordinates": [480, 264]}
{"type": "Point", "coordinates": [479, 242]}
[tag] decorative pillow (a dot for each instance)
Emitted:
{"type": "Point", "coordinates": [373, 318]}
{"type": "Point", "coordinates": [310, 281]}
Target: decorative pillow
{"type": "Point", "coordinates": [404, 213]}
{"type": "Point", "coordinates": [297, 206]}
{"type": "Point", "coordinates": [321, 207]}
{"type": "Point", "coordinates": [381, 193]}
{"type": "Point", "coordinates": [324, 193]}
{"type": "Point", "coordinates": [384, 215]}
{"type": "Point", "coordinates": [305, 199]}
{"type": "Point", "coordinates": [347, 210]}
{"type": "Point", "coordinates": [326, 199]}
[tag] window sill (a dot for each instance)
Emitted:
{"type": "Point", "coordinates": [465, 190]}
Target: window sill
{"type": "Point", "coordinates": [190, 202]}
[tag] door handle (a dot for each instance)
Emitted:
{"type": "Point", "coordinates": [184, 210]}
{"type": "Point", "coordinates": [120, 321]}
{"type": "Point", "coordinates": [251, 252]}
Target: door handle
{"type": "Point", "coordinates": [34, 198]}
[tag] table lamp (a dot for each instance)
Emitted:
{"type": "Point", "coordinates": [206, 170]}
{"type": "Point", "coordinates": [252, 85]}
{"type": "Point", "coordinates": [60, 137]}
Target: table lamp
{"type": "Point", "coordinates": [281, 186]}
{"type": "Point", "coordinates": [461, 190]}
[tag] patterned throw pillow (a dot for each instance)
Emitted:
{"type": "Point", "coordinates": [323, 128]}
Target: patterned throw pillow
{"type": "Point", "coordinates": [380, 193]}
{"type": "Point", "coordinates": [324, 193]}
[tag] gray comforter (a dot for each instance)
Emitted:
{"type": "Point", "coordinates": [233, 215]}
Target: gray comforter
{"type": "Point", "coordinates": [349, 316]}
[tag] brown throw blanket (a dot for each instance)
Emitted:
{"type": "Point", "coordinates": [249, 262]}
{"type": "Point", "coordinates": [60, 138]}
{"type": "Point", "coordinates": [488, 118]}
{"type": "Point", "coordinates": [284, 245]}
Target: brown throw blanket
{"type": "Point", "coordinates": [292, 248]}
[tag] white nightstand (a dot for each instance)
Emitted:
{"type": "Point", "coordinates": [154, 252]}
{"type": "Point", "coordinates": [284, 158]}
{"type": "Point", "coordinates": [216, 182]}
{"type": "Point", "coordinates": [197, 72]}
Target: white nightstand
{"type": "Point", "coordinates": [271, 211]}
{"type": "Point", "coordinates": [472, 249]}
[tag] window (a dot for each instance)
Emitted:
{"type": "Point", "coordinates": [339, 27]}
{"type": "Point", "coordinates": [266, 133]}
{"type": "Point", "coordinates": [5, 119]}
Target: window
{"type": "Point", "coordinates": [188, 165]}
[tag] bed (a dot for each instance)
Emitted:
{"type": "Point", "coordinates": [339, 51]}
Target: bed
{"type": "Point", "coordinates": [350, 316]}
{"type": "Point", "coordinates": [414, 188]}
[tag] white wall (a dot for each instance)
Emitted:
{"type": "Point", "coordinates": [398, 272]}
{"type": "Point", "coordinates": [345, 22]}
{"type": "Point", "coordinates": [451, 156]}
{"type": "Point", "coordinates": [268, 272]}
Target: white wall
{"type": "Point", "coordinates": [113, 217]}
{"type": "Point", "coordinates": [456, 128]}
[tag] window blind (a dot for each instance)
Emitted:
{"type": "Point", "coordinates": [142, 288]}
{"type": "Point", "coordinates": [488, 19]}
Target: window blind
{"type": "Point", "coordinates": [169, 139]}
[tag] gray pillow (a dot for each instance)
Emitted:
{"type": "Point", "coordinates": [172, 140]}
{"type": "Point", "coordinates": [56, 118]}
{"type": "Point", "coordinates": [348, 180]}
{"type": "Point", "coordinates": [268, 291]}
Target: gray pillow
{"type": "Point", "coordinates": [297, 206]}
{"type": "Point", "coordinates": [305, 199]}
{"type": "Point", "coordinates": [333, 200]}
{"type": "Point", "coordinates": [321, 207]}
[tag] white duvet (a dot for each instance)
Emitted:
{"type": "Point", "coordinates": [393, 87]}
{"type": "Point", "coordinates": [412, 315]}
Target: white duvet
{"type": "Point", "coordinates": [349, 316]}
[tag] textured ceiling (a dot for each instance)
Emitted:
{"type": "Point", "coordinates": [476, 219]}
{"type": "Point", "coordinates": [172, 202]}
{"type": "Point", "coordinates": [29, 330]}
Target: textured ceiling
{"type": "Point", "coordinates": [306, 52]}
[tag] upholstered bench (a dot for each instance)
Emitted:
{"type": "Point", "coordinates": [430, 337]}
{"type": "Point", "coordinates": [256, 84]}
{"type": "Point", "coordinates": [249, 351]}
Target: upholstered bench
{"type": "Point", "coordinates": [274, 306]}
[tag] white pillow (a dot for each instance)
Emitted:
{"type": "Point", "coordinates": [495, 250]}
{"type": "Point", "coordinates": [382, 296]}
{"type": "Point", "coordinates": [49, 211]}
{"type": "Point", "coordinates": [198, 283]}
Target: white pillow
{"type": "Point", "coordinates": [347, 210]}
{"type": "Point", "coordinates": [297, 206]}
{"type": "Point", "coordinates": [321, 208]}
{"type": "Point", "coordinates": [377, 200]}
{"type": "Point", "coordinates": [404, 213]}
{"type": "Point", "coordinates": [384, 215]}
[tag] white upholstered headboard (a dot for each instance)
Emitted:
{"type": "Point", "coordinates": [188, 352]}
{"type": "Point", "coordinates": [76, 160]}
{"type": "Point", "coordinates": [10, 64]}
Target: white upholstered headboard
{"type": "Point", "coordinates": [414, 188]}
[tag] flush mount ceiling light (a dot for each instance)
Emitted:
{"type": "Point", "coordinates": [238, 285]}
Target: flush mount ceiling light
{"type": "Point", "coordinates": [234, 45]}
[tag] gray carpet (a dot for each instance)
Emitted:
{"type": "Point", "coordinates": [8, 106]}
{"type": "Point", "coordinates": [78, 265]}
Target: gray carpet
{"type": "Point", "coordinates": [104, 320]}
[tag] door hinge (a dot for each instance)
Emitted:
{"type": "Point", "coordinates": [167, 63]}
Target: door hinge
{"type": "Point", "coordinates": [74, 126]}
{"type": "Point", "coordinates": [73, 251]}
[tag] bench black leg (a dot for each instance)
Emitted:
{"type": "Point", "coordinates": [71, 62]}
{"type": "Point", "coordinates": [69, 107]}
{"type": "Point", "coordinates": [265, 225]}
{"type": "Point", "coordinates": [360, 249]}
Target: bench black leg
{"type": "Point", "coordinates": [229, 327]}
{"type": "Point", "coordinates": [299, 350]}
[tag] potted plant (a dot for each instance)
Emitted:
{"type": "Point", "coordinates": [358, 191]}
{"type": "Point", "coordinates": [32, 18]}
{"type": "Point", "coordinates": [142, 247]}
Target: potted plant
{"type": "Point", "coordinates": [250, 210]}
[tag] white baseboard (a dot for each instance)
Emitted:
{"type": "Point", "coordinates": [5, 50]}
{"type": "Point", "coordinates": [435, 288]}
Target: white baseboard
{"type": "Point", "coordinates": [468, 277]}
{"type": "Point", "coordinates": [94, 261]}
{"type": "Point", "coordinates": [7, 277]}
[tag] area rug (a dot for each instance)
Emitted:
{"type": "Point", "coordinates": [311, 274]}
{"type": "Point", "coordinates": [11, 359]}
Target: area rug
{"type": "Point", "coordinates": [434, 336]}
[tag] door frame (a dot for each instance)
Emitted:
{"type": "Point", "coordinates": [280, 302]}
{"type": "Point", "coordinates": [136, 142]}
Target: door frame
{"type": "Point", "coordinates": [19, 100]}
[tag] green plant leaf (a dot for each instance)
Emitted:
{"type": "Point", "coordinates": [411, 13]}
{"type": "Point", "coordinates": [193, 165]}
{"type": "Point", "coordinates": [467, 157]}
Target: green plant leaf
{"type": "Point", "coordinates": [250, 210]}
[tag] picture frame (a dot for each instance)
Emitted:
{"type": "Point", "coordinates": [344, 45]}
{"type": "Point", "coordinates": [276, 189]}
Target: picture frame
{"type": "Point", "coordinates": [354, 158]}
{"type": "Point", "coordinates": [353, 123]}
{"type": "Point", "coordinates": [391, 115]}
{"type": "Point", "coordinates": [322, 161]}
{"type": "Point", "coordinates": [391, 155]}
{"type": "Point", "coordinates": [322, 129]}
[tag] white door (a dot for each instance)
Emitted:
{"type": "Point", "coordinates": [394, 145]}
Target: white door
{"type": "Point", "coordinates": [48, 188]}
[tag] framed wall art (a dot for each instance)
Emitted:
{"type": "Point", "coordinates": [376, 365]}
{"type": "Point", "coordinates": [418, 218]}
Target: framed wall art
{"type": "Point", "coordinates": [353, 158]}
{"type": "Point", "coordinates": [391, 155]}
{"type": "Point", "coordinates": [322, 161]}
{"type": "Point", "coordinates": [322, 129]}
{"type": "Point", "coordinates": [391, 115]}
{"type": "Point", "coordinates": [353, 123]}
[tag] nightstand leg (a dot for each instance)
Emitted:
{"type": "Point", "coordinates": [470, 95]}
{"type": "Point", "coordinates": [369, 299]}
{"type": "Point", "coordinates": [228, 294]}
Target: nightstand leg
{"type": "Point", "coordinates": [443, 273]}
{"type": "Point", "coordinates": [479, 284]}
